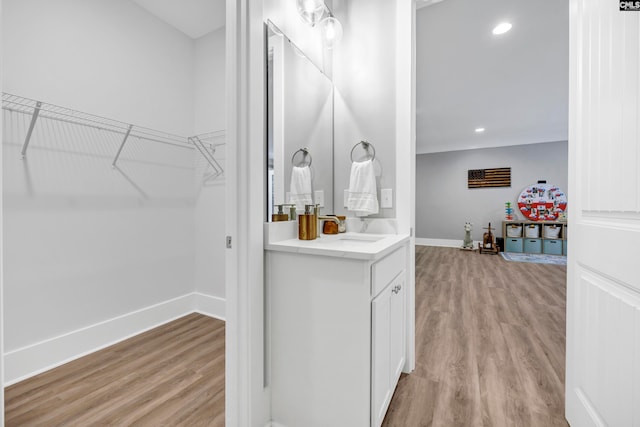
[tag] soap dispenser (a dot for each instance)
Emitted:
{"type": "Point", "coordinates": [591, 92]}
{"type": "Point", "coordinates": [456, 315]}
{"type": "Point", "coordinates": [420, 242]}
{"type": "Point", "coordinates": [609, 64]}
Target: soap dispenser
{"type": "Point", "coordinates": [292, 211]}
{"type": "Point", "coordinates": [280, 216]}
{"type": "Point", "coordinates": [316, 215]}
{"type": "Point", "coordinates": [306, 224]}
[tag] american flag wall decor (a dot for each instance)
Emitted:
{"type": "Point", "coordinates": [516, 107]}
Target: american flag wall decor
{"type": "Point", "coordinates": [489, 178]}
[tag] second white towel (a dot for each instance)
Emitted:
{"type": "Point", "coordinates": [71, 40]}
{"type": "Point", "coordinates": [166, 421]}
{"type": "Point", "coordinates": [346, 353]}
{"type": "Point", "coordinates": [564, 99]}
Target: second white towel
{"type": "Point", "coordinates": [301, 187]}
{"type": "Point", "coordinates": [362, 197]}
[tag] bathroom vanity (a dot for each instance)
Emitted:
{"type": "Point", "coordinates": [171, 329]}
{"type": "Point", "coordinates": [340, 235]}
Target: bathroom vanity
{"type": "Point", "coordinates": [336, 327]}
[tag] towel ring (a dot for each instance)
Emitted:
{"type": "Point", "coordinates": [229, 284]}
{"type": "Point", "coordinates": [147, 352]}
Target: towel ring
{"type": "Point", "coordinates": [366, 145]}
{"type": "Point", "coordinates": [305, 154]}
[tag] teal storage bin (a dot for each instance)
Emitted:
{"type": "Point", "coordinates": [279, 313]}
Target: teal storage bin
{"type": "Point", "coordinates": [533, 246]}
{"type": "Point", "coordinates": [564, 247]}
{"type": "Point", "coordinates": [553, 247]}
{"type": "Point", "coordinates": [512, 244]}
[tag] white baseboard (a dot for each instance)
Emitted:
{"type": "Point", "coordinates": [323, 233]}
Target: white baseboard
{"type": "Point", "coordinates": [445, 243]}
{"type": "Point", "coordinates": [210, 306]}
{"type": "Point", "coordinates": [36, 358]}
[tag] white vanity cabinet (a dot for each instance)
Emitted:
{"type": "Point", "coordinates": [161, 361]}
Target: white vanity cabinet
{"type": "Point", "coordinates": [336, 334]}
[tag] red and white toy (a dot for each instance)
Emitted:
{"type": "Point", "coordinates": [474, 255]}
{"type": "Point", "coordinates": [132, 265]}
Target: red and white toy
{"type": "Point", "coordinates": [542, 202]}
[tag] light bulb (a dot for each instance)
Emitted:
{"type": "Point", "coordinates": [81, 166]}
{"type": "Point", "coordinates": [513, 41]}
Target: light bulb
{"type": "Point", "coordinates": [310, 10]}
{"type": "Point", "coordinates": [501, 28]}
{"type": "Point", "coordinates": [309, 5]}
{"type": "Point", "coordinates": [331, 31]}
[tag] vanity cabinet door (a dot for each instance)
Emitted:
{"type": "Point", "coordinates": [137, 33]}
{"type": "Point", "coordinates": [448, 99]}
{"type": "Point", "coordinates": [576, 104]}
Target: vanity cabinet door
{"type": "Point", "coordinates": [387, 346]}
{"type": "Point", "coordinates": [380, 356]}
{"type": "Point", "coordinates": [397, 333]}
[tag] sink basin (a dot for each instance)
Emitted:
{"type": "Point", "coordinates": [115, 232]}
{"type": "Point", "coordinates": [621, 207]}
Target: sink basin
{"type": "Point", "coordinates": [347, 240]}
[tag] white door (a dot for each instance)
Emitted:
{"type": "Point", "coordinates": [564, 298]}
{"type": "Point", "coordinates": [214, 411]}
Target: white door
{"type": "Point", "coordinates": [603, 275]}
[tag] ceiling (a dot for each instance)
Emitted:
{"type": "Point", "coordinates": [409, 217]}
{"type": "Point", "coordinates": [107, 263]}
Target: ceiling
{"type": "Point", "coordinates": [514, 85]}
{"type": "Point", "coordinates": [195, 18]}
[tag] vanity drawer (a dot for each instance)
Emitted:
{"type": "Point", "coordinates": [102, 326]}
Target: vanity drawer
{"type": "Point", "coordinates": [385, 270]}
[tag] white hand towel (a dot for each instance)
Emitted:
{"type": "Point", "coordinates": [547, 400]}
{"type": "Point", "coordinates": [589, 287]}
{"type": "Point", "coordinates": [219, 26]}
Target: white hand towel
{"type": "Point", "coordinates": [301, 187]}
{"type": "Point", "coordinates": [362, 196]}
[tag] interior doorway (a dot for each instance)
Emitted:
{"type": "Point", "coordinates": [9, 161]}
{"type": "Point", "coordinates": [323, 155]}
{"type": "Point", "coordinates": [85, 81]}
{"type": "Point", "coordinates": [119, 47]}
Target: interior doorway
{"type": "Point", "coordinates": [490, 99]}
{"type": "Point", "coordinates": [113, 176]}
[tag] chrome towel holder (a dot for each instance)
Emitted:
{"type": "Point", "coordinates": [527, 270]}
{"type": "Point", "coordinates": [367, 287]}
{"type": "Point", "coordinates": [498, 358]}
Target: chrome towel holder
{"type": "Point", "coordinates": [305, 155]}
{"type": "Point", "coordinates": [366, 145]}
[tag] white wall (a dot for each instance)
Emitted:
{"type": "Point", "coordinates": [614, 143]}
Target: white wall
{"type": "Point", "coordinates": [110, 58]}
{"type": "Point", "coordinates": [85, 243]}
{"type": "Point", "coordinates": [209, 97]}
{"type": "Point", "coordinates": [364, 76]}
{"type": "Point", "coordinates": [444, 202]}
{"type": "Point", "coordinates": [209, 82]}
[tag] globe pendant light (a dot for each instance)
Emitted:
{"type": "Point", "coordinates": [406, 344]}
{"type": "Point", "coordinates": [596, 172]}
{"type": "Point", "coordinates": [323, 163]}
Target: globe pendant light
{"type": "Point", "coordinates": [310, 10]}
{"type": "Point", "coordinates": [331, 30]}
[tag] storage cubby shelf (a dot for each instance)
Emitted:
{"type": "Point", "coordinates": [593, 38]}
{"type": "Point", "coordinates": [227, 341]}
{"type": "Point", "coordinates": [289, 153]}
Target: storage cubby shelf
{"type": "Point", "coordinates": [551, 241]}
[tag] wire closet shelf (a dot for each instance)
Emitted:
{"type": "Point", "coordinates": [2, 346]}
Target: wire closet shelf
{"type": "Point", "coordinates": [207, 144]}
{"type": "Point", "coordinates": [41, 110]}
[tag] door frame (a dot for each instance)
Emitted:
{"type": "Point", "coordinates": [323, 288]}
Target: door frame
{"type": "Point", "coordinates": [1, 260]}
{"type": "Point", "coordinates": [246, 397]}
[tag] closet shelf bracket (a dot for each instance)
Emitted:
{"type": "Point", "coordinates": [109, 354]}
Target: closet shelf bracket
{"type": "Point", "coordinates": [208, 154]}
{"type": "Point", "coordinates": [124, 141]}
{"type": "Point", "coordinates": [34, 119]}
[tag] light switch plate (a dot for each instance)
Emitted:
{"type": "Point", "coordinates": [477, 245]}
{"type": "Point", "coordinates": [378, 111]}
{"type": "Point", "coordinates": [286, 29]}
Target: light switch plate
{"type": "Point", "coordinates": [386, 198]}
{"type": "Point", "coordinates": [318, 198]}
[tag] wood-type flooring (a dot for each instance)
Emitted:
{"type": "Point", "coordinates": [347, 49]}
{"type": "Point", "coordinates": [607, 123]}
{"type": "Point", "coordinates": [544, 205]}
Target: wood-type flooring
{"type": "Point", "coordinates": [490, 340]}
{"type": "Point", "coordinates": [490, 343]}
{"type": "Point", "coordinates": [172, 375]}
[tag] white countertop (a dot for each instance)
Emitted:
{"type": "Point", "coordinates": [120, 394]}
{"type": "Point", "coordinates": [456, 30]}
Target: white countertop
{"type": "Point", "coordinates": [365, 246]}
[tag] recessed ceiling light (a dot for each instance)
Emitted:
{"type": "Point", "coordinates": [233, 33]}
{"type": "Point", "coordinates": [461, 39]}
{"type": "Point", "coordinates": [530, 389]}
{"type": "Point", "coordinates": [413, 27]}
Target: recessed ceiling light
{"type": "Point", "coordinates": [502, 28]}
{"type": "Point", "coordinates": [479, 130]}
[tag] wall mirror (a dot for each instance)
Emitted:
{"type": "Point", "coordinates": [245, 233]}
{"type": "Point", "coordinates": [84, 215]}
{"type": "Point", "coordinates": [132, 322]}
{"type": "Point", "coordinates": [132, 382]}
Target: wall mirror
{"type": "Point", "coordinates": [299, 122]}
